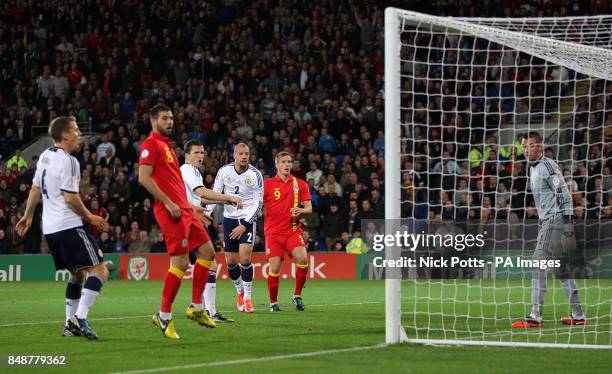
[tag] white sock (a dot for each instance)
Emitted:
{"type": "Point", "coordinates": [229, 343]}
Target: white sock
{"type": "Point", "coordinates": [165, 316]}
{"type": "Point", "coordinates": [210, 295]}
{"type": "Point", "coordinates": [71, 307]}
{"type": "Point", "coordinates": [88, 298]}
{"type": "Point", "coordinates": [239, 285]}
{"type": "Point", "coordinates": [248, 288]}
{"type": "Point", "coordinates": [89, 294]}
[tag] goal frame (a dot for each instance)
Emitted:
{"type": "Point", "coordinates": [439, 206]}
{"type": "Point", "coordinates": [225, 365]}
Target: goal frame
{"type": "Point", "coordinates": [394, 331]}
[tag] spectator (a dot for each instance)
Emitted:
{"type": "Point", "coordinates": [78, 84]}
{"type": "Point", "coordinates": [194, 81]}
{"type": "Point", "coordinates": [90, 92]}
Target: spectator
{"type": "Point", "coordinates": [15, 240]}
{"type": "Point", "coordinates": [159, 246]}
{"type": "Point", "coordinates": [311, 244]}
{"type": "Point", "coordinates": [315, 174]}
{"type": "Point", "coordinates": [366, 213]}
{"type": "Point", "coordinates": [99, 211]}
{"type": "Point", "coordinates": [5, 244]}
{"type": "Point", "coordinates": [143, 245]}
{"type": "Point", "coordinates": [120, 191]}
{"type": "Point", "coordinates": [311, 223]}
{"type": "Point", "coordinates": [333, 187]}
{"type": "Point", "coordinates": [105, 242]}
{"type": "Point", "coordinates": [327, 143]}
{"type": "Point", "coordinates": [378, 204]}
{"type": "Point", "coordinates": [17, 160]}
{"type": "Point", "coordinates": [333, 225]}
{"type": "Point", "coordinates": [103, 146]}
{"type": "Point", "coordinates": [4, 221]}
{"type": "Point", "coordinates": [133, 235]}
{"type": "Point", "coordinates": [144, 215]}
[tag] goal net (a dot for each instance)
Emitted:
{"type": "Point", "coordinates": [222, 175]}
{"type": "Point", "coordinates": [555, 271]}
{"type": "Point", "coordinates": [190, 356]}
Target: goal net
{"type": "Point", "coordinates": [460, 96]}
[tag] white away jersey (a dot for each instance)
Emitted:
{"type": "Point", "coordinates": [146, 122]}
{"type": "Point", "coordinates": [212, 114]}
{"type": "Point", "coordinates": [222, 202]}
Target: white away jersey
{"type": "Point", "coordinates": [193, 180]}
{"type": "Point", "coordinates": [57, 173]}
{"type": "Point", "coordinates": [247, 185]}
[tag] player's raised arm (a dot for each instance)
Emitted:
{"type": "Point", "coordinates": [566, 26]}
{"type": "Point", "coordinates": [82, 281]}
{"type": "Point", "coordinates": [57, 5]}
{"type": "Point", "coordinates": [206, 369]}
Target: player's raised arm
{"type": "Point", "coordinates": [215, 197]}
{"type": "Point", "coordinates": [145, 173]}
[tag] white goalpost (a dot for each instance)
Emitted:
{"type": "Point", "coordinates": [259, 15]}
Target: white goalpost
{"type": "Point", "coordinates": [460, 94]}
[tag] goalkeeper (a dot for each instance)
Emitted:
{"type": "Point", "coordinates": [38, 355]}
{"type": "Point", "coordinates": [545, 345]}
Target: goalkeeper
{"type": "Point", "coordinates": [555, 235]}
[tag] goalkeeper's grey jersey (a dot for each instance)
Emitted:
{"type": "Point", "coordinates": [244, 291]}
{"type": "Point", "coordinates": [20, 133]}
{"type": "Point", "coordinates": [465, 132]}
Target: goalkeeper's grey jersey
{"type": "Point", "coordinates": [549, 189]}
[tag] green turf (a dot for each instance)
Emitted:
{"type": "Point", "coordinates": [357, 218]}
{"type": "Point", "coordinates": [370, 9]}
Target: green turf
{"type": "Point", "coordinates": [483, 309]}
{"type": "Point", "coordinates": [339, 314]}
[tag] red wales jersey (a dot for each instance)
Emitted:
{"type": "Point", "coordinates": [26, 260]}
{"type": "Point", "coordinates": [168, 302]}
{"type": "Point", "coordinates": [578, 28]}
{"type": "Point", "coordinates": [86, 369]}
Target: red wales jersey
{"type": "Point", "coordinates": [279, 197]}
{"type": "Point", "coordinates": [156, 151]}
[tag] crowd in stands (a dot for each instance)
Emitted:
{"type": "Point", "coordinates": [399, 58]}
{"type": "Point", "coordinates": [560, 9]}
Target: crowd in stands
{"type": "Point", "coordinates": [301, 76]}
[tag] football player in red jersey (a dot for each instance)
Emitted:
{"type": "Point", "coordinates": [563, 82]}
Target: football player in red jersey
{"type": "Point", "coordinates": [285, 199]}
{"type": "Point", "coordinates": [159, 173]}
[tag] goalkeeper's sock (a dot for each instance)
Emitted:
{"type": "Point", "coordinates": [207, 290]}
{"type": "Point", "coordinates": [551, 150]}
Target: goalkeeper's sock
{"type": "Point", "coordinates": [234, 273]}
{"type": "Point", "coordinates": [201, 271]}
{"type": "Point", "coordinates": [538, 290]}
{"type": "Point", "coordinates": [210, 294]}
{"type": "Point", "coordinates": [172, 283]}
{"type": "Point", "coordinates": [90, 293]}
{"type": "Point", "coordinates": [301, 274]}
{"type": "Point", "coordinates": [273, 284]}
{"type": "Point", "coordinates": [73, 296]}
{"type": "Point", "coordinates": [246, 274]}
{"type": "Point", "coordinates": [570, 288]}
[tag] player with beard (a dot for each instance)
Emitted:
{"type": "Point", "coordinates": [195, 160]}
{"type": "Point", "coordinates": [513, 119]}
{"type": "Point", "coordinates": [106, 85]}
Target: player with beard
{"type": "Point", "coordinates": [159, 173]}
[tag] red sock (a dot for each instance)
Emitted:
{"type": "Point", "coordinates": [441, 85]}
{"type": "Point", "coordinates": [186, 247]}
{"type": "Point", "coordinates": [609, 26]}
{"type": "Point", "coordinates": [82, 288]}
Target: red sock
{"type": "Point", "coordinates": [273, 282]}
{"type": "Point", "coordinates": [200, 276]}
{"type": "Point", "coordinates": [300, 278]}
{"type": "Point", "coordinates": [172, 283]}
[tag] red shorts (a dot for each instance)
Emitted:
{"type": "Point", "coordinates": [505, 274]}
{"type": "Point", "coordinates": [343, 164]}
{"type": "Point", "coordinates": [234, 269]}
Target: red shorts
{"type": "Point", "coordinates": [183, 235]}
{"type": "Point", "coordinates": [277, 245]}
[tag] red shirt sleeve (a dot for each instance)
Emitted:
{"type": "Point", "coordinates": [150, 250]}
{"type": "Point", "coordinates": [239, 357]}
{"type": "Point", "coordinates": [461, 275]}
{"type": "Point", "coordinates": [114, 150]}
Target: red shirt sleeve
{"type": "Point", "coordinates": [266, 187]}
{"type": "Point", "coordinates": [304, 191]}
{"type": "Point", "coordinates": [148, 152]}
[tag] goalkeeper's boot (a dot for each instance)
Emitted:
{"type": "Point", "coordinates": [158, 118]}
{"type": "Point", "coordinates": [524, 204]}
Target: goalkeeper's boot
{"type": "Point", "coordinates": [240, 302]}
{"type": "Point", "coordinates": [275, 308]}
{"type": "Point", "coordinates": [166, 327]}
{"type": "Point", "coordinates": [200, 316]}
{"type": "Point", "coordinates": [572, 321]}
{"type": "Point", "coordinates": [248, 306]}
{"type": "Point", "coordinates": [85, 328]}
{"type": "Point", "coordinates": [70, 329]}
{"type": "Point", "coordinates": [527, 322]}
{"type": "Point", "coordinates": [219, 318]}
{"type": "Point", "coordinates": [299, 304]}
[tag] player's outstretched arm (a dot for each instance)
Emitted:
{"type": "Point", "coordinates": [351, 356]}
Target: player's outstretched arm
{"type": "Point", "coordinates": [211, 196]}
{"type": "Point", "coordinates": [26, 221]}
{"type": "Point", "coordinates": [75, 202]}
{"type": "Point", "coordinates": [145, 173]}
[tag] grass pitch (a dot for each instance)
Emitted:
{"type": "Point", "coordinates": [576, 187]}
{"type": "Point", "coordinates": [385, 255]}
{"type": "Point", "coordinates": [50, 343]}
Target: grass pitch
{"type": "Point", "coordinates": [338, 332]}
